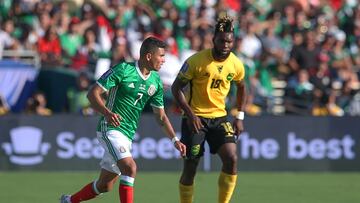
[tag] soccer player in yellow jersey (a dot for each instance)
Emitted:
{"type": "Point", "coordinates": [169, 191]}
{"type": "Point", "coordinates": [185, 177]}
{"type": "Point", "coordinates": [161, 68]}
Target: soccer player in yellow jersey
{"type": "Point", "coordinates": [208, 75]}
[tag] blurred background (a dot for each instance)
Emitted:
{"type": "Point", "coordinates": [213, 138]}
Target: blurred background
{"type": "Point", "coordinates": [301, 57]}
{"type": "Point", "coordinates": [302, 60]}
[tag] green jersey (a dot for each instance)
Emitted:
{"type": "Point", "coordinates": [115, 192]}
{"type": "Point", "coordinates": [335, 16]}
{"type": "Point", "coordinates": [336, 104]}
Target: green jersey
{"type": "Point", "coordinates": [129, 91]}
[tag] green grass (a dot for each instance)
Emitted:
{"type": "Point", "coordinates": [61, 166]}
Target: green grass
{"type": "Point", "coordinates": [46, 187]}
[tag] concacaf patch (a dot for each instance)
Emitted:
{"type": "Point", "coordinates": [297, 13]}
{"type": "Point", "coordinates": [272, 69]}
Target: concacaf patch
{"type": "Point", "coordinates": [184, 67]}
{"type": "Point", "coordinates": [107, 74]}
{"type": "Point", "coordinates": [151, 90]}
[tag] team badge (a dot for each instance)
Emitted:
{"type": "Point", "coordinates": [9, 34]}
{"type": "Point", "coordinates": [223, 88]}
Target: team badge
{"type": "Point", "coordinates": [122, 149]}
{"type": "Point", "coordinates": [230, 76]}
{"type": "Point", "coordinates": [195, 150]}
{"type": "Point", "coordinates": [151, 90]}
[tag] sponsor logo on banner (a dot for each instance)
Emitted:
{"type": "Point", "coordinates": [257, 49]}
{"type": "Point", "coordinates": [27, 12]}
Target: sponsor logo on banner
{"type": "Point", "coordinates": [26, 146]}
{"type": "Point", "coordinates": [297, 148]}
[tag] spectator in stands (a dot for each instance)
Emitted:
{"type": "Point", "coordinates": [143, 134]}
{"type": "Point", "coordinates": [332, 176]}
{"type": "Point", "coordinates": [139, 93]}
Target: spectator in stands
{"type": "Point", "coordinates": [43, 23]}
{"type": "Point", "coordinates": [49, 48]}
{"type": "Point", "coordinates": [340, 56]}
{"type": "Point", "coordinates": [78, 102]}
{"type": "Point", "coordinates": [7, 41]}
{"type": "Point", "coordinates": [251, 46]}
{"type": "Point", "coordinates": [349, 99]}
{"type": "Point", "coordinates": [62, 17]}
{"type": "Point", "coordinates": [37, 105]}
{"type": "Point", "coordinates": [355, 54]}
{"type": "Point", "coordinates": [306, 56]}
{"type": "Point", "coordinates": [120, 47]}
{"type": "Point", "coordinates": [252, 83]}
{"type": "Point", "coordinates": [87, 55]}
{"type": "Point", "coordinates": [325, 93]}
{"type": "Point", "coordinates": [297, 42]}
{"type": "Point", "coordinates": [299, 94]}
{"type": "Point", "coordinates": [274, 53]}
{"type": "Point", "coordinates": [164, 31]}
{"type": "Point", "coordinates": [71, 40]}
{"type": "Point", "coordinates": [168, 73]}
{"type": "Point", "coordinates": [195, 42]}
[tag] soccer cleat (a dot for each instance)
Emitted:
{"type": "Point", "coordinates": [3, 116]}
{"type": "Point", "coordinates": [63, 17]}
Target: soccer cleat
{"type": "Point", "coordinates": [65, 199]}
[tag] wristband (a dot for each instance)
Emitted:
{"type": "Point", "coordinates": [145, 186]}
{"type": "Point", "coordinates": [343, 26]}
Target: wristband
{"type": "Point", "coordinates": [240, 115]}
{"type": "Point", "coordinates": [175, 139]}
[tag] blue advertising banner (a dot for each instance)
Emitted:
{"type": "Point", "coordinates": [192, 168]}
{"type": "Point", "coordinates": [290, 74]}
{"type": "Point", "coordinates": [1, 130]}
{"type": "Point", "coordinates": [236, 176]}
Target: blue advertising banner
{"type": "Point", "coordinates": [68, 142]}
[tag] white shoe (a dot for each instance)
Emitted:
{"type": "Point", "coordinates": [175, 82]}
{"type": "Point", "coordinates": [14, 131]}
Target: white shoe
{"type": "Point", "coordinates": [65, 199]}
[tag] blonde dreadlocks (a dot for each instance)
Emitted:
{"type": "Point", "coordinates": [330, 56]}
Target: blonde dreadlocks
{"type": "Point", "coordinates": [224, 24]}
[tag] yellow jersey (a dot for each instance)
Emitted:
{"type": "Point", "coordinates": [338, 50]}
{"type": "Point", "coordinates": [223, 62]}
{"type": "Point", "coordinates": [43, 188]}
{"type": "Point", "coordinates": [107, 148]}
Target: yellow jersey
{"type": "Point", "coordinates": [210, 82]}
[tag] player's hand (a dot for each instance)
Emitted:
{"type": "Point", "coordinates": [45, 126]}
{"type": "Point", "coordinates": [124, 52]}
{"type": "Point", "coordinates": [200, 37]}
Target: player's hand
{"type": "Point", "coordinates": [194, 123]}
{"type": "Point", "coordinates": [238, 127]}
{"type": "Point", "coordinates": [181, 147]}
{"type": "Point", "coordinates": [113, 118]}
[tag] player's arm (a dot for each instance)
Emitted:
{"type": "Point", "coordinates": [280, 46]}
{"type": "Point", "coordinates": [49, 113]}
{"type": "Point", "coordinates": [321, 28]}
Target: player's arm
{"type": "Point", "coordinates": [95, 97]}
{"type": "Point", "coordinates": [240, 105]}
{"type": "Point", "coordinates": [178, 93]}
{"type": "Point", "coordinates": [166, 126]}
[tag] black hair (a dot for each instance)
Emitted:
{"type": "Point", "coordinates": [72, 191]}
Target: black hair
{"type": "Point", "coordinates": [224, 24]}
{"type": "Point", "coordinates": [150, 45]}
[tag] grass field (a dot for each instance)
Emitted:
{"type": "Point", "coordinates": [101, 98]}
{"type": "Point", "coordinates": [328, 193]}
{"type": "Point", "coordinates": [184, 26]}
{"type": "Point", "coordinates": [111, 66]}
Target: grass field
{"type": "Point", "coordinates": [46, 187]}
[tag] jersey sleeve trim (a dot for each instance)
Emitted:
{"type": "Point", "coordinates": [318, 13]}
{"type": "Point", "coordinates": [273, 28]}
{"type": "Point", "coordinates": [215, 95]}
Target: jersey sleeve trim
{"type": "Point", "coordinates": [101, 86]}
{"type": "Point", "coordinates": [159, 107]}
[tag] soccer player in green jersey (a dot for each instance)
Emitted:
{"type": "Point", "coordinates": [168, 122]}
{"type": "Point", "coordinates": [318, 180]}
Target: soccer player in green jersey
{"type": "Point", "coordinates": [130, 87]}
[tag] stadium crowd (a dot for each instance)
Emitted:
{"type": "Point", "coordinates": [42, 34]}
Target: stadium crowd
{"type": "Point", "coordinates": [312, 47]}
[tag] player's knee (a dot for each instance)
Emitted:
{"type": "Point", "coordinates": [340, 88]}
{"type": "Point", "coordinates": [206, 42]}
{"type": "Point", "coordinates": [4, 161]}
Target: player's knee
{"type": "Point", "coordinates": [189, 174]}
{"type": "Point", "coordinates": [129, 169]}
{"type": "Point", "coordinates": [187, 177]}
{"type": "Point", "coordinates": [230, 161]}
{"type": "Point", "coordinates": [105, 187]}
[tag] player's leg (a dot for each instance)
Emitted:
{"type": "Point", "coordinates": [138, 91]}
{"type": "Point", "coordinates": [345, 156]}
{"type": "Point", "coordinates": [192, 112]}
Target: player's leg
{"type": "Point", "coordinates": [195, 148]}
{"type": "Point", "coordinates": [127, 167]}
{"type": "Point", "coordinates": [228, 175]}
{"type": "Point", "coordinates": [103, 184]}
{"type": "Point", "coordinates": [119, 146]}
{"type": "Point", "coordinates": [106, 181]}
{"type": "Point", "coordinates": [222, 141]}
{"type": "Point", "coordinates": [186, 183]}
{"type": "Point", "coordinates": [108, 175]}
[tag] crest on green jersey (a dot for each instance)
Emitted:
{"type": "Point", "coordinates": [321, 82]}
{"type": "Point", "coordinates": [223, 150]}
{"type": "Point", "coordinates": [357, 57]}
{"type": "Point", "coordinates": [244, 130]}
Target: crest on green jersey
{"type": "Point", "coordinates": [151, 90]}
